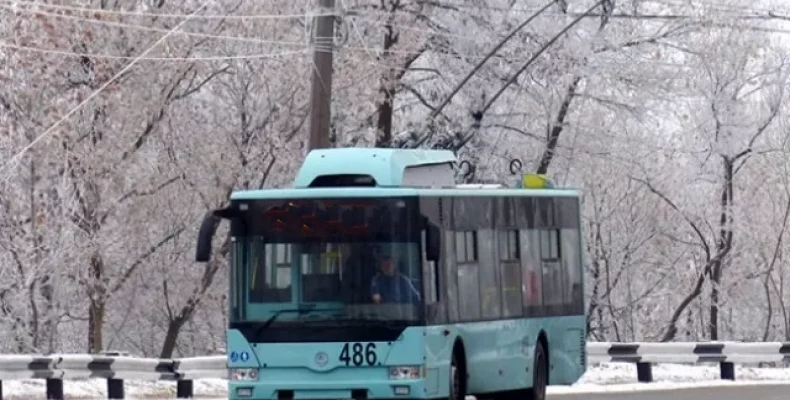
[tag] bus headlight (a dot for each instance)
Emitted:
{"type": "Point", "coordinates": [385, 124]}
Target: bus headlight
{"type": "Point", "coordinates": [243, 374]}
{"type": "Point", "coordinates": [405, 372]}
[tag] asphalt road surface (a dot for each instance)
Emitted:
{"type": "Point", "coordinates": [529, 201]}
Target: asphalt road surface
{"type": "Point", "coordinates": [764, 391]}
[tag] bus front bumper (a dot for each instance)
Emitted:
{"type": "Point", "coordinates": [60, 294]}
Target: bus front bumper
{"type": "Point", "coordinates": [327, 390]}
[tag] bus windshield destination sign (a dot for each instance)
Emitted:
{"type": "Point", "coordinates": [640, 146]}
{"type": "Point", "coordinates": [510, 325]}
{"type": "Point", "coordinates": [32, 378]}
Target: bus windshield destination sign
{"type": "Point", "coordinates": [322, 218]}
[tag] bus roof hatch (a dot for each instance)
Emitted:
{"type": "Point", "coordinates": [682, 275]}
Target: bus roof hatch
{"type": "Point", "coordinates": [355, 166]}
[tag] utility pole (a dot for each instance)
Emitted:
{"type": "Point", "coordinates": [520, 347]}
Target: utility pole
{"type": "Point", "coordinates": [321, 96]}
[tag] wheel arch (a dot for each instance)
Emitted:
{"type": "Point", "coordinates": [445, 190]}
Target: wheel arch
{"type": "Point", "coordinates": [459, 350]}
{"type": "Point", "coordinates": [543, 340]}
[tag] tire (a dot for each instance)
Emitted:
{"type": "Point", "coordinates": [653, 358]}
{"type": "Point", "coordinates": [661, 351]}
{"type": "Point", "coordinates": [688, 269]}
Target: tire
{"type": "Point", "coordinates": [457, 374]}
{"type": "Point", "coordinates": [540, 375]}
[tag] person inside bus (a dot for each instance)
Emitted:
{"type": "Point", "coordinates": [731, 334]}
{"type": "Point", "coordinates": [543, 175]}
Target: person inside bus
{"type": "Point", "coordinates": [390, 286]}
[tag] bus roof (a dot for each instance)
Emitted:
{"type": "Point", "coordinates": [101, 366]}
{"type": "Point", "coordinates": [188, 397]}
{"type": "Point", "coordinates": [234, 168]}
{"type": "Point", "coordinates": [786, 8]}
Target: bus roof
{"type": "Point", "coordinates": [317, 193]}
{"type": "Point", "coordinates": [357, 192]}
{"type": "Point", "coordinates": [386, 166]}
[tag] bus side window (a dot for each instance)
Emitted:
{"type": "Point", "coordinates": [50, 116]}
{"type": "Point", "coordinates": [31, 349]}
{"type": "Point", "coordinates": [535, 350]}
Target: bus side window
{"type": "Point", "coordinates": [532, 273]}
{"type": "Point", "coordinates": [572, 256]}
{"type": "Point", "coordinates": [548, 224]}
{"type": "Point", "coordinates": [466, 249]}
{"type": "Point", "coordinates": [451, 277]}
{"type": "Point", "coordinates": [511, 216]}
{"type": "Point", "coordinates": [553, 270]}
{"type": "Point", "coordinates": [573, 299]}
{"type": "Point", "coordinates": [488, 282]}
{"type": "Point", "coordinates": [509, 257]}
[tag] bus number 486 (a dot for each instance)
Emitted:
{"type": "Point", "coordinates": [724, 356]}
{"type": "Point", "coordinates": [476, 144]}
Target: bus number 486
{"type": "Point", "coordinates": [358, 354]}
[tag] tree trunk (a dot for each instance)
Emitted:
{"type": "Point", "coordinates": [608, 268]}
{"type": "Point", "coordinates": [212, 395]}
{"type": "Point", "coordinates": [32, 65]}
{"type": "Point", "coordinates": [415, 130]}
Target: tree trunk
{"type": "Point", "coordinates": [384, 125]}
{"type": "Point", "coordinates": [556, 129]}
{"type": "Point", "coordinates": [188, 310]}
{"type": "Point", "coordinates": [386, 89]}
{"type": "Point", "coordinates": [672, 328]}
{"type": "Point", "coordinates": [171, 337]}
{"type": "Point", "coordinates": [95, 325]}
{"type": "Point", "coordinates": [714, 306]}
{"type": "Point", "coordinates": [723, 245]}
{"type": "Point", "coordinates": [97, 296]}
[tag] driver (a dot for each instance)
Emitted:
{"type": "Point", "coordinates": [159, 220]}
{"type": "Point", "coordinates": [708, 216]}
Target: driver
{"type": "Point", "coordinates": [390, 286]}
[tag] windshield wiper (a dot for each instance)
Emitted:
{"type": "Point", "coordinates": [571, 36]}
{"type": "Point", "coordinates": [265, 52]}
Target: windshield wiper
{"type": "Point", "coordinates": [302, 310]}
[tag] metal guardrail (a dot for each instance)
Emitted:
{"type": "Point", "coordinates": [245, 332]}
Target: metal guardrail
{"type": "Point", "coordinates": [57, 368]}
{"type": "Point", "coordinates": [726, 354]}
{"type": "Point", "coordinates": [115, 369]}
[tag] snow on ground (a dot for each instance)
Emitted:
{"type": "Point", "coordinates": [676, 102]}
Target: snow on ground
{"type": "Point", "coordinates": [623, 373]}
{"type": "Point", "coordinates": [90, 389]}
{"type": "Point", "coordinates": [619, 377]}
{"type": "Point", "coordinates": [601, 378]}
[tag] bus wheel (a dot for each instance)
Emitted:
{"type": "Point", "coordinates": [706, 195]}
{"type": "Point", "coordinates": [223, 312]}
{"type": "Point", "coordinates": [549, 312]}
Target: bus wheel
{"type": "Point", "coordinates": [457, 374]}
{"type": "Point", "coordinates": [540, 375]}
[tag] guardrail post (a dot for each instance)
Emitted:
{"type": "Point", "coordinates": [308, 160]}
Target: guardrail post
{"type": "Point", "coordinates": [644, 372]}
{"type": "Point", "coordinates": [728, 371]}
{"type": "Point", "coordinates": [115, 389]}
{"type": "Point", "coordinates": [55, 389]}
{"type": "Point", "coordinates": [184, 389]}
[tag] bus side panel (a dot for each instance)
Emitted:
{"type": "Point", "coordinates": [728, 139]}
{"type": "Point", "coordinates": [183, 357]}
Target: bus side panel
{"type": "Point", "coordinates": [566, 336]}
{"type": "Point", "coordinates": [499, 354]}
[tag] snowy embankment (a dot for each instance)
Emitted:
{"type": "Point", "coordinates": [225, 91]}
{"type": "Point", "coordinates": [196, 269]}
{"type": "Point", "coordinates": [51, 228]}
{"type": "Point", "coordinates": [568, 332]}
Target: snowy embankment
{"type": "Point", "coordinates": [605, 377]}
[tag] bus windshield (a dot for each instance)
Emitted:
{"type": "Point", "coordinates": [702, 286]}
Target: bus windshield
{"type": "Point", "coordinates": [346, 259]}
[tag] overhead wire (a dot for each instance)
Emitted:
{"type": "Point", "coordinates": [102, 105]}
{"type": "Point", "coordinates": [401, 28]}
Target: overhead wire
{"type": "Point", "coordinates": [717, 6]}
{"type": "Point", "coordinates": [415, 29]}
{"type": "Point", "coordinates": [735, 13]}
{"type": "Point", "coordinates": [225, 37]}
{"type": "Point", "coordinates": [709, 4]}
{"type": "Point", "coordinates": [115, 57]}
{"type": "Point", "coordinates": [319, 43]}
{"type": "Point", "coordinates": [90, 97]}
{"type": "Point", "coordinates": [500, 135]}
{"type": "Point", "coordinates": [369, 51]}
{"type": "Point", "coordinates": [160, 30]}
{"type": "Point", "coordinates": [388, 23]}
{"type": "Point", "coordinates": [356, 30]}
{"type": "Point", "coordinates": [318, 48]}
{"type": "Point", "coordinates": [101, 11]}
{"type": "Point", "coordinates": [170, 32]}
{"type": "Point", "coordinates": [365, 49]}
{"type": "Point", "coordinates": [26, 4]}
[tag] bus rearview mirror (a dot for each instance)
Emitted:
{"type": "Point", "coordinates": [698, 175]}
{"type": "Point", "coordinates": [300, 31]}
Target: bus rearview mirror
{"type": "Point", "coordinates": [432, 243]}
{"type": "Point", "coordinates": [205, 235]}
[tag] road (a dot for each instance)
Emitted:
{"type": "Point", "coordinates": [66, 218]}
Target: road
{"type": "Point", "coordinates": [732, 391]}
{"type": "Point", "coordinates": [765, 391]}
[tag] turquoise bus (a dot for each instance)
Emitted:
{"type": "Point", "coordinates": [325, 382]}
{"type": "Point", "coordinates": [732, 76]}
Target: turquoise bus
{"type": "Point", "coordinates": [378, 277]}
